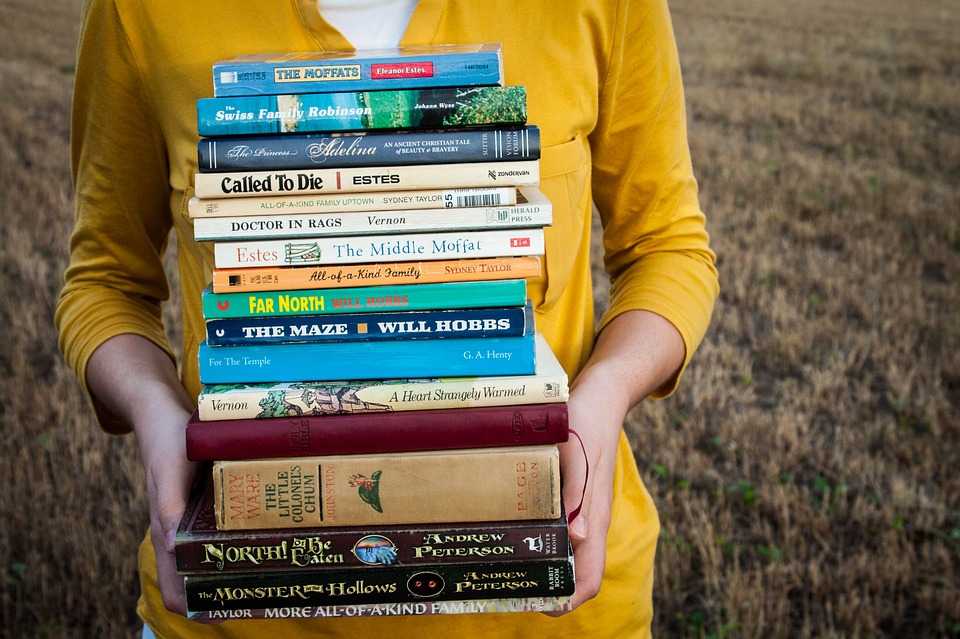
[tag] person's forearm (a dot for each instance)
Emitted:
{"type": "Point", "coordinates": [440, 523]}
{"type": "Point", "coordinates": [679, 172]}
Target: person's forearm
{"type": "Point", "coordinates": [134, 378]}
{"type": "Point", "coordinates": [636, 353]}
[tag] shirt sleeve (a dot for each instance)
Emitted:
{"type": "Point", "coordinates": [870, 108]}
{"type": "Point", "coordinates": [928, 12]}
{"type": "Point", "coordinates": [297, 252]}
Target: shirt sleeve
{"type": "Point", "coordinates": [656, 247]}
{"type": "Point", "coordinates": [115, 282]}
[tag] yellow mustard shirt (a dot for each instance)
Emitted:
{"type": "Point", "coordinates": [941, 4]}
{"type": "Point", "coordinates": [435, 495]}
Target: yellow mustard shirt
{"type": "Point", "coordinates": [604, 86]}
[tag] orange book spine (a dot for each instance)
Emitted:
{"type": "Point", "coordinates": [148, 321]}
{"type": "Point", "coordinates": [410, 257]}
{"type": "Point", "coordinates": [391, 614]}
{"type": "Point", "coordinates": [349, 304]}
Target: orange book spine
{"type": "Point", "coordinates": [281, 278]}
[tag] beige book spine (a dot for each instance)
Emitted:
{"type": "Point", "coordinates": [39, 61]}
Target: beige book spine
{"type": "Point", "coordinates": [486, 484]}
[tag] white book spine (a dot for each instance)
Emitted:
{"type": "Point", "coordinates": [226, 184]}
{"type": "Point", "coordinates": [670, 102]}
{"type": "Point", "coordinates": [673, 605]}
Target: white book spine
{"type": "Point", "coordinates": [535, 210]}
{"type": "Point", "coordinates": [376, 201]}
{"type": "Point", "coordinates": [378, 248]}
{"type": "Point", "coordinates": [362, 179]}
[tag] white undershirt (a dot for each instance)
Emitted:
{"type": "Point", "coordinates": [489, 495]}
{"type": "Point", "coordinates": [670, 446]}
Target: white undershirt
{"type": "Point", "coordinates": [369, 24]}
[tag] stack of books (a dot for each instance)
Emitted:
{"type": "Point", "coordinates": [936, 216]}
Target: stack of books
{"type": "Point", "coordinates": [429, 482]}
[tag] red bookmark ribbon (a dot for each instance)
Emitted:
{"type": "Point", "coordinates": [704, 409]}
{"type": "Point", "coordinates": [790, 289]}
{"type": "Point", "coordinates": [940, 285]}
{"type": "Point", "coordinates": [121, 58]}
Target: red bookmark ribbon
{"type": "Point", "coordinates": [586, 475]}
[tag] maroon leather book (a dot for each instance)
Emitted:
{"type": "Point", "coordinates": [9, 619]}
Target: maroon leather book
{"type": "Point", "coordinates": [489, 426]}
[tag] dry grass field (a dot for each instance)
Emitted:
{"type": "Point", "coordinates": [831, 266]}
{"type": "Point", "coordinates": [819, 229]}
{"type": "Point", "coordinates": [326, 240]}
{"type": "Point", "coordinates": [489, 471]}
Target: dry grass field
{"type": "Point", "coordinates": [808, 469]}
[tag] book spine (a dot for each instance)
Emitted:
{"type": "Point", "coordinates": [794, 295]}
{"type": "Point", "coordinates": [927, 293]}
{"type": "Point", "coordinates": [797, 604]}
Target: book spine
{"type": "Point", "coordinates": [420, 608]}
{"type": "Point", "coordinates": [382, 359]}
{"type": "Point", "coordinates": [359, 111]}
{"type": "Point", "coordinates": [357, 249]}
{"type": "Point", "coordinates": [257, 77]}
{"type": "Point", "coordinates": [439, 324]}
{"type": "Point", "coordinates": [538, 212]}
{"type": "Point", "coordinates": [254, 153]}
{"type": "Point", "coordinates": [518, 483]}
{"type": "Point", "coordinates": [542, 578]}
{"type": "Point", "coordinates": [201, 548]}
{"type": "Point", "coordinates": [548, 384]}
{"type": "Point", "coordinates": [297, 550]}
{"type": "Point", "coordinates": [290, 278]}
{"type": "Point", "coordinates": [374, 299]}
{"type": "Point", "coordinates": [458, 428]}
{"type": "Point", "coordinates": [377, 201]}
{"type": "Point", "coordinates": [362, 179]}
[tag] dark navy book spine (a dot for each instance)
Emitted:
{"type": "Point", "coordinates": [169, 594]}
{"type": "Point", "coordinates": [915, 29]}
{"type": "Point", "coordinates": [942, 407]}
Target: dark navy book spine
{"type": "Point", "coordinates": [474, 580]}
{"type": "Point", "coordinates": [479, 322]}
{"type": "Point", "coordinates": [240, 153]}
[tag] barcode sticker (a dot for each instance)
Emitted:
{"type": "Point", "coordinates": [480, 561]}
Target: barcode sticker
{"type": "Point", "coordinates": [489, 199]}
{"type": "Point", "coordinates": [494, 196]}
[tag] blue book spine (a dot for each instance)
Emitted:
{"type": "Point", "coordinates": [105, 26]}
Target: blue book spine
{"type": "Point", "coordinates": [258, 153]}
{"type": "Point", "coordinates": [444, 66]}
{"type": "Point", "coordinates": [441, 324]}
{"type": "Point", "coordinates": [376, 359]}
{"type": "Point", "coordinates": [362, 111]}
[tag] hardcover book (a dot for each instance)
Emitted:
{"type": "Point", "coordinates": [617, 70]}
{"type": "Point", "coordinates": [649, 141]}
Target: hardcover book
{"type": "Point", "coordinates": [358, 249]}
{"type": "Point", "coordinates": [420, 608]}
{"type": "Point", "coordinates": [381, 359]}
{"type": "Point", "coordinates": [284, 151]}
{"type": "Point", "coordinates": [532, 209]}
{"type": "Point", "coordinates": [350, 586]}
{"type": "Point", "coordinates": [548, 384]}
{"type": "Point", "coordinates": [343, 202]}
{"type": "Point", "coordinates": [438, 324]}
{"type": "Point", "coordinates": [424, 487]}
{"type": "Point", "coordinates": [325, 71]}
{"type": "Point", "coordinates": [363, 179]}
{"type": "Point", "coordinates": [452, 428]}
{"type": "Point", "coordinates": [290, 278]}
{"type": "Point", "coordinates": [404, 109]}
{"type": "Point", "coordinates": [364, 299]}
{"type": "Point", "coordinates": [200, 547]}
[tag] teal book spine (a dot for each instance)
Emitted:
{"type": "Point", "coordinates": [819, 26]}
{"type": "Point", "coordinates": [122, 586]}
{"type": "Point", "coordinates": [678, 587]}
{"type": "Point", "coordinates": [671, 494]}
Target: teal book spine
{"type": "Point", "coordinates": [383, 359]}
{"type": "Point", "coordinates": [402, 297]}
{"type": "Point", "coordinates": [361, 111]}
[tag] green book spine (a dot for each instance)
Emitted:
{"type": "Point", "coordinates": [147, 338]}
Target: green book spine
{"type": "Point", "coordinates": [365, 299]}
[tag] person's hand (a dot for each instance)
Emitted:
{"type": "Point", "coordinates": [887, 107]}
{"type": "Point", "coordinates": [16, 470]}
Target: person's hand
{"type": "Point", "coordinates": [636, 353]}
{"type": "Point", "coordinates": [169, 476]}
{"type": "Point", "coordinates": [587, 462]}
{"type": "Point", "coordinates": [137, 382]}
